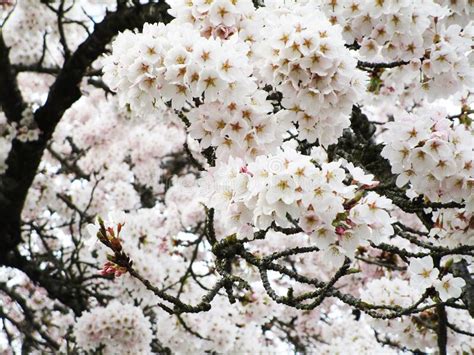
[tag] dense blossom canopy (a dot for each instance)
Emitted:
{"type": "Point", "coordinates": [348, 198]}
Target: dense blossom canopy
{"type": "Point", "coordinates": [236, 176]}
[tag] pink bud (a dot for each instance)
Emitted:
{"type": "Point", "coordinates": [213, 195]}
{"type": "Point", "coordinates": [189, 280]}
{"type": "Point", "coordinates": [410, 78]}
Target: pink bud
{"type": "Point", "coordinates": [245, 170]}
{"type": "Point", "coordinates": [223, 32]}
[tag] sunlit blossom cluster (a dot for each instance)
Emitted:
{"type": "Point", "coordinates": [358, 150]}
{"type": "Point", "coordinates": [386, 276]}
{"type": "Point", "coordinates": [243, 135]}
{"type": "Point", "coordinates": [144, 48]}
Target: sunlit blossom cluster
{"type": "Point", "coordinates": [219, 18]}
{"type": "Point", "coordinates": [240, 129]}
{"type": "Point", "coordinates": [431, 153]}
{"type": "Point", "coordinates": [208, 78]}
{"type": "Point", "coordinates": [174, 63]}
{"type": "Point", "coordinates": [390, 31]}
{"type": "Point", "coordinates": [287, 189]}
{"type": "Point", "coordinates": [393, 30]}
{"type": "Point", "coordinates": [448, 69]}
{"type": "Point", "coordinates": [306, 61]}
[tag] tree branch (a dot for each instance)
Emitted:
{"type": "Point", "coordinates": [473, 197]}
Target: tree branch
{"type": "Point", "coordinates": [11, 100]}
{"type": "Point", "coordinates": [24, 157]}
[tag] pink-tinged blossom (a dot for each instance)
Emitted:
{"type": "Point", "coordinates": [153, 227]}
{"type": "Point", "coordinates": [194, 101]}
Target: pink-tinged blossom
{"type": "Point", "coordinates": [119, 328]}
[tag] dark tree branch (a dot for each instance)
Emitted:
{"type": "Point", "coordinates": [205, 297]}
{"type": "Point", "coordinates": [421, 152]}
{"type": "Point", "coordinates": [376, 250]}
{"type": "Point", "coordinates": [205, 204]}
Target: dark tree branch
{"type": "Point", "coordinates": [11, 101]}
{"type": "Point", "coordinates": [48, 70]}
{"type": "Point", "coordinates": [442, 330]}
{"type": "Point", "coordinates": [62, 36]}
{"type": "Point", "coordinates": [365, 65]}
{"type": "Point", "coordinates": [24, 157]}
{"type": "Point", "coordinates": [68, 166]}
{"type": "Point", "coordinates": [29, 315]}
{"type": "Point", "coordinates": [357, 145]}
{"type": "Point", "coordinates": [460, 269]}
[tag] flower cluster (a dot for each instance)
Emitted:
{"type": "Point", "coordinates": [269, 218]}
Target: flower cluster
{"type": "Point", "coordinates": [7, 133]}
{"type": "Point", "coordinates": [30, 49]}
{"type": "Point", "coordinates": [243, 130]}
{"type": "Point", "coordinates": [118, 328]}
{"type": "Point", "coordinates": [424, 275]}
{"type": "Point", "coordinates": [217, 18]}
{"type": "Point", "coordinates": [223, 330]}
{"type": "Point", "coordinates": [307, 61]}
{"type": "Point", "coordinates": [27, 130]}
{"type": "Point", "coordinates": [395, 291]}
{"type": "Point", "coordinates": [287, 189]}
{"type": "Point", "coordinates": [460, 11]}
{"type": "Point", "coordinates": [211, 79]}
{"type": "Point", "coordinates": [344, 332]}
{"type": "Point", "coordinates": [393, 30]}
{"type": "Point", "coordinates": [174, 63]}
{"type": "Point", "coordinates": [416, 331]}
{"type": "Point", "coordinates": [448, 68]}
{"type": "Point", "coordinates": [431, 153]}
{"type": "Point", "coordinates": [453, 227]}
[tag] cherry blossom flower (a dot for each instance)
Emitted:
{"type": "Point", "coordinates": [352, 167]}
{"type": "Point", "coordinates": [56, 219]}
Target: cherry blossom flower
{"type": "Point", "coordinates": [449, 287]}
{"type": "Point", "coordinates": [422, 272]}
